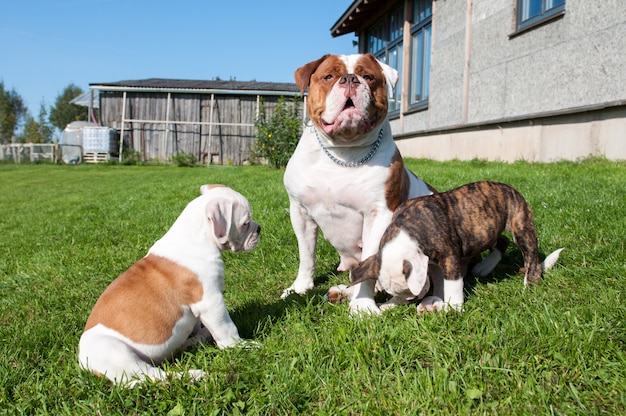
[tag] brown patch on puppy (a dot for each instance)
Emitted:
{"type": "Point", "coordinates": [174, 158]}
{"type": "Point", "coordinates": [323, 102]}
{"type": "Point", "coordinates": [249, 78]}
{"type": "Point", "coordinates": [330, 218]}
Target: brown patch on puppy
{"type": "Point", "coordinates": [365, 270]}
{"type": "Point", "coordinates": [146, 300]}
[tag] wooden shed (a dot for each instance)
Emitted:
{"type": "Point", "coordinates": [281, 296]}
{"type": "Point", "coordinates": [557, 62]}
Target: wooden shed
{"type": "Point", "coordinates": [212, 120]}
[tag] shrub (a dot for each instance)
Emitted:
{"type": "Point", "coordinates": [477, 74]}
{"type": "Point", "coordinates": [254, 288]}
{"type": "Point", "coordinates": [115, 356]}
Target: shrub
{"type": "Point", "coordinates": [183, 159]}
{"type": "Point", "coordinates": [277, 134]}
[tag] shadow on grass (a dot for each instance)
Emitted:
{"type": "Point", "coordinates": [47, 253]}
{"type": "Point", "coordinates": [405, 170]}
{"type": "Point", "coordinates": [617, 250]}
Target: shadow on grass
{"type": "Point", "coordinates": [249, 316]}
{"type": "Point", "coordinates": [510, 267]}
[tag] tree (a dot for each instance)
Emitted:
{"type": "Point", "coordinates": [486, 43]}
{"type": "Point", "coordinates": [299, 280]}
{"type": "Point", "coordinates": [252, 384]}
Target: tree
{"type": "Point", "coordinates": [37, 131]}
{"type": "Point", "coordinates": [63, 113]}
{"type": "Point", "coordinates": [12, 112]}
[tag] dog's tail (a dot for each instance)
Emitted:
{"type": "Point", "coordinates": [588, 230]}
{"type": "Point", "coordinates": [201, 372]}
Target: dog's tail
{"type": "Point", "coordinates": [551, 259]}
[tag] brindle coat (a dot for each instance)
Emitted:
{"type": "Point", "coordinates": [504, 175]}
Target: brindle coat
{"type": "Point", "coordinates": [452, 227]}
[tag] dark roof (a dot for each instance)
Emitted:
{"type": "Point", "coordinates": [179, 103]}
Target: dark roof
{"type": "Point", "coordinates": [185, 84]}
{"type": "Point", "coordinates": [358, 15]}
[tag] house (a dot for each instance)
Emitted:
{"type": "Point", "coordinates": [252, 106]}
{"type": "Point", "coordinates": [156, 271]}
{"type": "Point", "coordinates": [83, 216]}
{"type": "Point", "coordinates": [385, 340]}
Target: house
{"type": "Point", "coordinates": [538, 80]}
{"type": "Point", "coordinates": [212, 120]}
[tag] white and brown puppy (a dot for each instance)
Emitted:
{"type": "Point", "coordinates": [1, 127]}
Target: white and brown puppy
{"type": "Point", "coordinates": [437, 235]}
{"type": "Point", "coordinates": [346, 176]}
{"type": "Point", "coordinates": [149, 312]}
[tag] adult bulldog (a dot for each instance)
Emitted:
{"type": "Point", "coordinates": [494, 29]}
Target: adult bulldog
{"type": "Point", "coordinates": [346, 175]}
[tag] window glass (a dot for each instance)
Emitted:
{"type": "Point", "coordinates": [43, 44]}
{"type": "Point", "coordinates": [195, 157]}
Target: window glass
{"type": "Point", "coordinates": [420, 64]}
{"type": "Point", "coordinates": [531, 12]}
{"type": "Point", "coordinates": [420, 52]}
{"type": "Point", "coordinates": [384, 41]}
{"type": "Point", "coordinates": [396, 24]}
{"type": "Point", "coordinates": [421, 10]}
{"type": "Point", "coordinates": [376, 39]}
{"type": "Point", "coordinates": [395, 61]}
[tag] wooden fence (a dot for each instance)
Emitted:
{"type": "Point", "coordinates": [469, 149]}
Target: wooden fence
{"type": "Point", "coordinates": [215, 128]}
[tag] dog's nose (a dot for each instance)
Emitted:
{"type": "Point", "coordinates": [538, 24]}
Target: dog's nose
{"type": "Point", "coordinates": [258, 230]}
{"type": "Point", "coordinates": [349, 81]}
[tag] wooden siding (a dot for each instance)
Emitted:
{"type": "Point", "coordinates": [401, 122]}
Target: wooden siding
{"type": "Point", "coordinates": [217, 128]}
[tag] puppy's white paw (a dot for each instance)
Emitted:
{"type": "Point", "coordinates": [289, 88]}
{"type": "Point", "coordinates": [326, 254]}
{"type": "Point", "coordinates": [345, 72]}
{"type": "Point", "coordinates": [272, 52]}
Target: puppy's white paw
{"type": "Point", "coordinates": [364, 306]}
{"type": "Point", "coordinates": [196, 375]}
{"type": "Point", "coordinates": [435, 304]}
{"type": "Point", "coordinates": [392, 303]}
{"type": "Point", "coordinates": [297, 287]}
{"type": "Point", "coordinates": [431, 304]}
{"type": "Point", "coordinates": [385, 306]}
{"type": "Point", "coordinates": [287, 292]}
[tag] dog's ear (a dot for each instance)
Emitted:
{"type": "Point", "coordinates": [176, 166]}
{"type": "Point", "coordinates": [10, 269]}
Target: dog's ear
{"type": "Point", "coordinates": [415, 271]}
{"type": "Point", "coordinates": [365, 270]}
{"type": "Point", "coordinates": [303, 74]}
{"type": "Point", "coordinates": [391, 76]}
{"type": "Point", "coordinates": [219, 212]}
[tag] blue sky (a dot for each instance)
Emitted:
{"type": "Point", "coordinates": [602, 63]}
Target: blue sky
{"type": "Point", "coordinates": [46, 45]}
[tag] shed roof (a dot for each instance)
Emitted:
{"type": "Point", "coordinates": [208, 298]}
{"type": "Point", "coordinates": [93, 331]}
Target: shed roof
{"type": "Point", "coordinates": [359, 12]}
{"type": "Point", "coordinates": [199, 86]}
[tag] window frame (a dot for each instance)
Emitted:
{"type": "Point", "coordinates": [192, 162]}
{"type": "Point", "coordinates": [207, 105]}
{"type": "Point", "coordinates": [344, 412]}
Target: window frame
{"type": "Point", "coordinates": [421, 24]}
{"type": "Point", "coordinates": [544, 15]}
{"type": "Point", "coordinates": [391, 49]}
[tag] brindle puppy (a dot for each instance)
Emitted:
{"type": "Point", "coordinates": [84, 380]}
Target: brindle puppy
{"type": "Point", "coordinates": [437, 235]}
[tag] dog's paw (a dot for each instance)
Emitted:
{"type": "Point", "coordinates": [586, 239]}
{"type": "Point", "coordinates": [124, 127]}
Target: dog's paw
{"type": "Point", "coordinates": [361, 306]}
{"type": "Point", "coordinates": [430, 304]}
{"type": "Point", "coordinates": [196, 375]}
{"type": "Point", "coordinates": [339, 294]}
{"type": "Point", "coordinates": [287, 292]}
{"type": "Point", "coordinates": [201, 336]}
{"type": "Point", "coordinates": [385, 306]}
{"type": "Point", "coordinates": [392, 303]}
{"type": "Point", "coordinates": [248, 344]}
{"type": "Point", "coordinates": [297, 288]}
{"type": "Point", "coordinates": [435, 304]}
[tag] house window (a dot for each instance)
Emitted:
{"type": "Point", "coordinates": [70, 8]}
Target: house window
{"type": "Point", "coordinates": [531, 12]}
{"type": "Point", "coordinates": [384, 41]}
{"type": "Point", "coordinates": [421, 25]}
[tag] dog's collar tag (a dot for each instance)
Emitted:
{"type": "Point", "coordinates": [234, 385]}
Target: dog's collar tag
{"type": "Point", "coordinates": [354, 163]}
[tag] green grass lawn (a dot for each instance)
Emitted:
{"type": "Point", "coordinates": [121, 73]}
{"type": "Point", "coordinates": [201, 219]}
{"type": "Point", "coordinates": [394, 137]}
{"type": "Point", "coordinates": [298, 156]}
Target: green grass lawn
{"type": "Point", "coordinates": [558, 348]}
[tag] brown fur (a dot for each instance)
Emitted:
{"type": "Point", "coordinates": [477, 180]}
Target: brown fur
{"type": "Point", "coordinates": [144, 302]}
{"type": "Point", "coordinates": [321, 75]}
{"type": "Point", "coordinates": [397, 184]}
{"type": "Point", "coordinates": [452, 227]}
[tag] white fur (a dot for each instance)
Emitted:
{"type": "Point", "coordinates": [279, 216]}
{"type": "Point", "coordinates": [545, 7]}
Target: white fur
{"type": "Point", "coordinates": [551, 259]}
{"type": "Point", "coordinates": [453, 292]}
{"type": "Point", "coordinates": [190, 243]}
{"type": "Point", "coordinates": [391, 277]}
{"type": "Point", "coordinates": [347, 204]}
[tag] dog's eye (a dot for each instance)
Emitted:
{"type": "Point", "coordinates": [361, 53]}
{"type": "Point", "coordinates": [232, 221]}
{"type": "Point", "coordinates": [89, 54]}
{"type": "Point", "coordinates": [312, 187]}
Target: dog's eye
{"type": "Point", "coordinates": [246, 224]}
{"type": "Point", "coordinates": [368, 77]}
{"type": "Point", "coordinates": [328, 77]}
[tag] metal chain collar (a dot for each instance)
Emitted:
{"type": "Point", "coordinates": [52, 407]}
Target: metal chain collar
{"type": "Point", "coordinates": [353, 163]}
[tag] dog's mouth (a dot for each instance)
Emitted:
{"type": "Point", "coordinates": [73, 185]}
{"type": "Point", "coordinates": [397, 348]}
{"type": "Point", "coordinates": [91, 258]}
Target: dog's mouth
{"type": "Point", "coordinates": [350, 121]}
